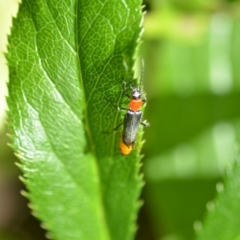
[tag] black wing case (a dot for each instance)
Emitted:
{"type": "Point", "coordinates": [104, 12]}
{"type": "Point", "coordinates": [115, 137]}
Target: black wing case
{"type": "Point", "coordinates": [131, 124]}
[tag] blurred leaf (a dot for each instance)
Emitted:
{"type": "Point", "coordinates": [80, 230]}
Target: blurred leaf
{"type": "Point", "coordinates": [188, 5]}
{"type": "Point", "coordinates": [206, 156]}
{"type": "Point", "coordinates": [177, 25]}
{"type": "Point", "coordinates": [209, 65]}
{"type": "Point", "coordinates": [222, 221]}
{"type": "Point", "coordinates": [187, 157]}
{"type": "Point", "coordinates": [179, 120]}
{"type": "Point", "coordinates": [193, 5]}
{"type": "Point", "coordinates": [193, 107]}
{"type": "Point", "coordinates": [65, 59]}
{"type": "Point", "coordinates": [175, 205]}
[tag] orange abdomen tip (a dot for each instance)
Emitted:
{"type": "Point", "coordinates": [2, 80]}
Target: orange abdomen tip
{"type": "Point", "coordinates": [135, 105]}
{"type": "Point", "coordinates": [124, 149]}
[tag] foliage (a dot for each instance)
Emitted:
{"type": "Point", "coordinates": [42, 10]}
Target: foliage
{"type": "Point", "coordinates": [76, 58]}
{"type": "Point", "coordinates": [193, 96]}
{"type": "Point", "coordinates": [65, 58]}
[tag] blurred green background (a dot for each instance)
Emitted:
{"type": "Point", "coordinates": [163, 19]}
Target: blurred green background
{"type": "Point", "coordinates": [191, 50]}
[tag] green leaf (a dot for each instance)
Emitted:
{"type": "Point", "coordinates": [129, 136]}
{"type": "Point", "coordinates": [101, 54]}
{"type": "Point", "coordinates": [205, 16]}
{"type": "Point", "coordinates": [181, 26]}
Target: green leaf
{"type": "Point", "coordinates": [65, 59]}
{"type": "Point", "coordinates": [222, 221]}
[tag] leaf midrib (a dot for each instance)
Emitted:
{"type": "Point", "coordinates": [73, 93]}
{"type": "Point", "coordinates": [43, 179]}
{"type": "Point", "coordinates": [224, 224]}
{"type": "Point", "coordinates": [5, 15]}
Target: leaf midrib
{"type": "Point", "coordinates": [85, 113]}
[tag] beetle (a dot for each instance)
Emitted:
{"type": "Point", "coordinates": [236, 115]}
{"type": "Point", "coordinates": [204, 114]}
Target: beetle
{"type": "Point", "coordinates": [132, 118]}
{"type": "Point", "coordinates": [131, 122]}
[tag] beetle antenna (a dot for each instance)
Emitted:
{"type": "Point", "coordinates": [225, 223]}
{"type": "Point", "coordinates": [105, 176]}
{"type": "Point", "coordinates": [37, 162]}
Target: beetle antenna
{"type": "Point", "coordinates": [142, 74]}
